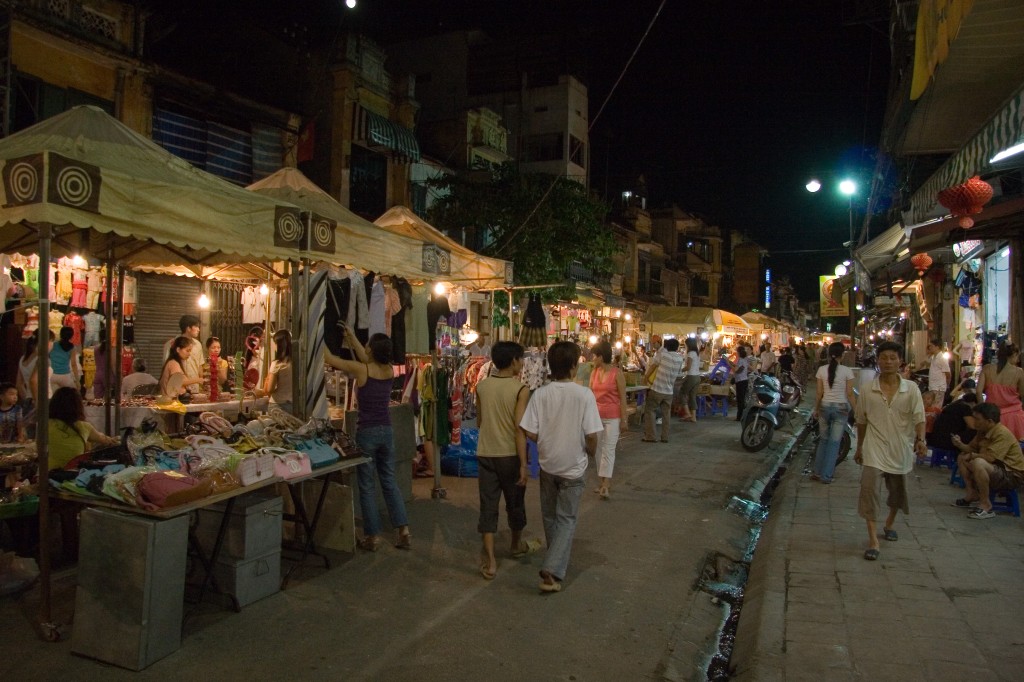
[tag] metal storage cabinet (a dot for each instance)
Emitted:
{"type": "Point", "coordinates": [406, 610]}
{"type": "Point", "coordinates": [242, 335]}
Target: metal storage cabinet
{"type": "Point", "coordinates": [131, 588]}
{"type": "Point", "coordinates": [253, 530]}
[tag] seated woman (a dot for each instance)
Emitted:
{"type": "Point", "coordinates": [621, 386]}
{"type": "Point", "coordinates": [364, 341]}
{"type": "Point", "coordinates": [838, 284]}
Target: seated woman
{"type": "Point", "coordinates": [279, 381]}
{"type": "Point", "coordinates": [173, 382]}
{"type": "Point", "coordinates": [70, 434]}
{"type": "Point", "coordinates": [138, 377]}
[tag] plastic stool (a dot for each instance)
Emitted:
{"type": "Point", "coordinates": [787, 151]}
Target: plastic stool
{"type": "Point", "coordinates": [955, 479]}
{"type": "Point", "coordinates": [942, 456]}
{"type": "Point", "coordinates": [1010, 504]}
{"type": "Point", "coordinates": [720, 405]}
{"type": "Point", "coordinates": [703, 408]}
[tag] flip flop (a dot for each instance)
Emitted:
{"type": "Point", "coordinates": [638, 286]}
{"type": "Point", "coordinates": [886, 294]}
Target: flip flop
{"type": "Point", "coordinates": [529, 547]}
{"type": "Point", "coordinates": [648, 440]}
{"type": "Point", "coordinates": [962, 503]}
{"type": "Point", "coordinates": [548, 587]}
{"type": "Point", "coordinates": [486, 572]}
{"type": "Point", "coordinates": [605, 494]}
{"type": "Point", "coordinates": [890, 535]}
{"type": "Point", "coordinates": [870, 554]}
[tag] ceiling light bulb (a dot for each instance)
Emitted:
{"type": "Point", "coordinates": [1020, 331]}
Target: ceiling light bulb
{"type": "Point", "coordinates": [592, 339]}
{"type": "Point", "coordinates": [439, 289]}
{"type": "Point", "coordinates": [204, 301]}
{"type": "Point", "coordinates": [264, 289]}
{"type": "Point", "coordinates": [618, 344]}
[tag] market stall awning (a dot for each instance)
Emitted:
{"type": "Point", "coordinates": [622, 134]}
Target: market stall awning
{"type": "Point", "coordinates": [724, 322]}
{"type": "Point", "coordinates": [883, 249]}
{"type": "Point", "coordinates": [358, 242]}
{"type": "Point", "coordinates": [444, 257]}
{"type": "Point", "coordinates": [677, 320]}
{"type": "Point", "coordinates": [103, 186]}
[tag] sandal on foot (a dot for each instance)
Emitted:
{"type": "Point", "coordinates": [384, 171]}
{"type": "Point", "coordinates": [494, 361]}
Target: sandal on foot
{"type": "Point", "coordinates": [605, 494]}
{"type": "Point", "coordinates": [368, 543]}
{"type": "Point", "coordinates": [404, 541]}
{"type": "Point", "coordinates": [890, 535]}
{"type": "Point", "coordinates": [528, 547]}
{"type": "Point", "coordinates": [486, 572]}
{"type": "Point", "coordinates": [548, 583]}
{"type": "Point", "coordinates": [870, 554]}
{"type": "Point", "coordinates": [964, 503]}
{"type": "Point", "coordinates": [648, 440]}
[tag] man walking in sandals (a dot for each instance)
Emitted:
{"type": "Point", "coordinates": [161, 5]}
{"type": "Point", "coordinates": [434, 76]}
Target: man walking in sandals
{"type": "Point", "coordinates": [501, 453]}
{"type": "Point", "coordinates": [890, 431]}
{"type": "Point", "coordinates": [563, 418]}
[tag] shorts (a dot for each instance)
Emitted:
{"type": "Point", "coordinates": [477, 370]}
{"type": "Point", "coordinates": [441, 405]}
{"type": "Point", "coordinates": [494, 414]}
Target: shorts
{"type": "Point", "coordinates": [869, 503]}
{"type": "Point", "coordinates": [1002, 478]}
{"type": "Point", "coordinates": [499, 476]}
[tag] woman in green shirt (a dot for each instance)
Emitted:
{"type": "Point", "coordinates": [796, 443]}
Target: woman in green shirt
{"type": "Point", "coordinates": [70, 434]}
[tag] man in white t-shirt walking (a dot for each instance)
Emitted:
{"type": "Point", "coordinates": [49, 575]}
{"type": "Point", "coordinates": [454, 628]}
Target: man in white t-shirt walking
{"type": "Point", "coordinates": [562, 418]}
{"type": "Point", "coordinates": [938, 369]}
{"type": "Point", "coordinates": [890, 431]}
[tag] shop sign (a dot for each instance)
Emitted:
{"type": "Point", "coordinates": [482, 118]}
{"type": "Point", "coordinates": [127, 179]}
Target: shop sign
{"type": "Point", "coordinates": [967, 249]}
{"type": "Point", "coordinates": [831, 299]}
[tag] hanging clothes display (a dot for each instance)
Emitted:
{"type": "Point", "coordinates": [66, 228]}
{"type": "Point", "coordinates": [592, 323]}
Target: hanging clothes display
{"type": "Point", "coordinates": [437, 310]}
{"type": "Point", "coordinates": [533, 333]}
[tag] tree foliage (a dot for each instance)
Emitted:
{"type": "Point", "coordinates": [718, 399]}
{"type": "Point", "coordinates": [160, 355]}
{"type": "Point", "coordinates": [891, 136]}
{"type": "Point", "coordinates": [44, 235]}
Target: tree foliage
{"type": "Point", "coordinates": [542, 223]}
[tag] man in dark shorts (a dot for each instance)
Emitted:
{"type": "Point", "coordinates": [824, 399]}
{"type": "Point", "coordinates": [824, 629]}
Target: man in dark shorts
{"type": "Point", "coordinates": [991, 461]}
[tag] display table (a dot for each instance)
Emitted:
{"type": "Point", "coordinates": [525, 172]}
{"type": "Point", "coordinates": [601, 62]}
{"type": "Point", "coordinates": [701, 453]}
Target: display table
{"type": "Point", "coordinates": [169, 421]}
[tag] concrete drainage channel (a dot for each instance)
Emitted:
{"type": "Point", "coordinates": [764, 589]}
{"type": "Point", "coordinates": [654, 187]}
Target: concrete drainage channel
{"type": "Point", "coordinates": [723, 577]}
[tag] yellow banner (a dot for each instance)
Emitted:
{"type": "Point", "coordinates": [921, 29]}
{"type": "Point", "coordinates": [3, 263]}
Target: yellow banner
{"type": "Point", "coordinates": [938, 22]}
{"type": "Point", "coordinates": [833, 301]}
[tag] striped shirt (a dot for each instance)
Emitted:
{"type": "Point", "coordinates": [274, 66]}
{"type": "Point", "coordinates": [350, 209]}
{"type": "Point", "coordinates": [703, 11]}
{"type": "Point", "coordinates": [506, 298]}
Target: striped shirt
{"type": "Point", "coordinates": [670, 365]}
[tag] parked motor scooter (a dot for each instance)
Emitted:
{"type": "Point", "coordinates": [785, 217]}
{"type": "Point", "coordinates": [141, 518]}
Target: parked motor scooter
{"type": "Point", "coordinates": [771, 404]}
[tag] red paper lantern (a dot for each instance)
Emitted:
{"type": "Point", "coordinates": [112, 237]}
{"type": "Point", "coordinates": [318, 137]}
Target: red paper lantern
{"type": "Point", "coordinates": [966, 199]}
{"type": "Point", "coordinates": [921, 262]}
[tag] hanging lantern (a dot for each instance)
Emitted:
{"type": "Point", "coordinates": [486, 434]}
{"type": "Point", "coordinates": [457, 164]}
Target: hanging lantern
{"type": "Point", "coordinates": [921, 262]}
{"type": "Point", "coordinates": [966, 199]}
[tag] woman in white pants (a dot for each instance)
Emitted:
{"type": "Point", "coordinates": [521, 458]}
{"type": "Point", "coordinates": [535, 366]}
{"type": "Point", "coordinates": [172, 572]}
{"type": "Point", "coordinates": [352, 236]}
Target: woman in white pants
{"type": "Point", "coordinates": [609, 386]}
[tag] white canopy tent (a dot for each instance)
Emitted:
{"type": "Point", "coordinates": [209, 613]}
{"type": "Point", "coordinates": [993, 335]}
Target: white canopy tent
{"type": "Point", "coordinates": [83, 182]}
{"type": "Point", "coordinates": [445, 257]}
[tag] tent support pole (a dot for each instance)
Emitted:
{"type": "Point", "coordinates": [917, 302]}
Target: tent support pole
{"type": "Point", "coordinates": [114, 356]}
{"type": "Point", "coordinates": [49, 630]}
{"type": "Point", "coordinates": [108, 317]}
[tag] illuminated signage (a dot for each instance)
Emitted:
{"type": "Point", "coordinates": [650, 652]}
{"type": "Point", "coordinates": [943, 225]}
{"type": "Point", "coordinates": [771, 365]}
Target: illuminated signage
{"type": "Point", "coordinates": [767, 296]}
{"type": "Point", "coordinates": [768, 275]}
{"type": "Point", "coordinates": [967, 249]}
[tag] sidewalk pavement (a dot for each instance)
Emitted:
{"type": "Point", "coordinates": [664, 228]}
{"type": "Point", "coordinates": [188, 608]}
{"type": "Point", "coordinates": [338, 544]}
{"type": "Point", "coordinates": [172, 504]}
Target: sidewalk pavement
{"type": "Point", "coordinates": [941, 603]}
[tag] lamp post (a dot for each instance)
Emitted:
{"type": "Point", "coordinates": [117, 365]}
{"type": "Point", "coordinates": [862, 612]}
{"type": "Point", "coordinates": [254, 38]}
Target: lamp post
{"type": "Point", "coordinates": [848, 188]}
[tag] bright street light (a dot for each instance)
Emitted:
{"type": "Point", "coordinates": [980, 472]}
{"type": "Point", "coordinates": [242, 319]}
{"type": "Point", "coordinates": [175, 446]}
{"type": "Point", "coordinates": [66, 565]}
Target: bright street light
{"type": "Point", "coordinates": [813, 186]}
{"type": "Point", "coordinates": [841, 270]}
{"type": "Point", "coordinates": [848, 187]}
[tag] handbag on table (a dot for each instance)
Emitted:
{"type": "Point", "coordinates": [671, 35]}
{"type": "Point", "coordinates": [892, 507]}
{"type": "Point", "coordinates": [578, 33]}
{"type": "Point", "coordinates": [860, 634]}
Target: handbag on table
{"type": "Point", "coordinates": [256, 467]}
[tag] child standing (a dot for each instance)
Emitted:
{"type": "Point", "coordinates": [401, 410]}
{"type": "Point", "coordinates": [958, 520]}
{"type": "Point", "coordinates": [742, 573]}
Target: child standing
{"type": "Point", "coordinates": [563, 418]}
{"type": "Point", "coordinates": [12, 421]}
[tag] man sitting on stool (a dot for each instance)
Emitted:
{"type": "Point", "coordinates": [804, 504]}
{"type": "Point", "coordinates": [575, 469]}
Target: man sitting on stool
{"type": "Point", "coordinates": [991, 461]}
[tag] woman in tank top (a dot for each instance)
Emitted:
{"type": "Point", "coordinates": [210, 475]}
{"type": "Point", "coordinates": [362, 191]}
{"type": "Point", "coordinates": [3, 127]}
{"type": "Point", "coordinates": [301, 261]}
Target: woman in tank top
{"type": "Point", "coordinates": [609, 387]}
{"type": "Point", "coordinates": [374, 377]}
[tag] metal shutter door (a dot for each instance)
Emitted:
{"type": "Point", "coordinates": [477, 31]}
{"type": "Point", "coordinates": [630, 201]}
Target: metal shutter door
{"type": "Point", "coordinates": [163, 299]}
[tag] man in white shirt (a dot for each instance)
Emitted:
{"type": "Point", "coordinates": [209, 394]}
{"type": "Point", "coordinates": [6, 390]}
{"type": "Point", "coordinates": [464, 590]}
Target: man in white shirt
{"type": "Point", "coordinates": [768, 359]}
{"type": "Point", "coordinates": [193, 366]}
{"type": "Point", "coordinates": [890, 431]}
{"type": "Point", "coordinates": [480, 347]}
{"type": "Point", "coordinates": [562, 418]}
{"type": "Point", "coordinates": [938, 368]}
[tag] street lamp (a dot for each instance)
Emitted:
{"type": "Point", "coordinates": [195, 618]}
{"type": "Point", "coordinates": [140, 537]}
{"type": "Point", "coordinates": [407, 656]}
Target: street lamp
{"type": "Point", "coordinates": [849, 188]}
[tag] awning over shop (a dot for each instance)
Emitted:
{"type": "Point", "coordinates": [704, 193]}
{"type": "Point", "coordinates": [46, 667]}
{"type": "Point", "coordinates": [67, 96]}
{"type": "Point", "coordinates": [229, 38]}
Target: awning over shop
{"type": "Point", "coordinates": [445, 258]}
{"type": "Point", "coordinates": [358, 242]}
{"type": "Point", "coordinates": [106, 188]}
{"type": "Point", "coordinates": [677, 320]}
{"type": "Point", "coordinates": [883, 249]}
{"type": "Point", "coordinates": [1004, 129]}
{"type": "Point", "coordinates": [725, 322]}
{"type": "Point", "coordinates": [378, 131]}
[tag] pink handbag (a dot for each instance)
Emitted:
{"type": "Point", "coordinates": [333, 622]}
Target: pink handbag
{"type": "Point", "coordinates": [289, 463]}
{"type": "Point", "coordinates": [254, 468]}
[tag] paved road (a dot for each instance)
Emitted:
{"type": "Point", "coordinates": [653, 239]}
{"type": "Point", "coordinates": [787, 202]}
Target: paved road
{"type": "Point", "coordinates": [630, 609]}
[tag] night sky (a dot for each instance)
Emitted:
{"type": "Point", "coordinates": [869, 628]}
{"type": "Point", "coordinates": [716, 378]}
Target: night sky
{"type": "Point", "coordinates": [727, 109]}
